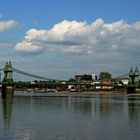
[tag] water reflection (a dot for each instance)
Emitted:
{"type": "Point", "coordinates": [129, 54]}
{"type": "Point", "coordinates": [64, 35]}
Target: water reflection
{"type": "Point", "coordinates": [7, 111]}
{"type": "Point", "coordinates": [134, 109]}
{"type": "Point", "coordinates": [100, 117]}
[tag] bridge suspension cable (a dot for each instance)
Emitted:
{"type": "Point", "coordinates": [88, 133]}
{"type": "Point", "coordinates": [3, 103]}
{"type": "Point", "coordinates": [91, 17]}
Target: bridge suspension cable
{"type": "Point", "coordinates": [32, 75]}
{"type": "Point", "coordinates": [123, 76]}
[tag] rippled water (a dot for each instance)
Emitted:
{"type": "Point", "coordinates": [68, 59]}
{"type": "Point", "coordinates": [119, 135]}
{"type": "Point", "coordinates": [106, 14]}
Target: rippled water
{"type": "Point", "coordinates": [101, 117]}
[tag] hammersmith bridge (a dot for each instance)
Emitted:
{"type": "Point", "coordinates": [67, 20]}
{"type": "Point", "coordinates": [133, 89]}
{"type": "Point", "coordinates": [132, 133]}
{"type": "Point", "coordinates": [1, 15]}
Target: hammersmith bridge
{"type": "Point", "coordinates": [13, 77]}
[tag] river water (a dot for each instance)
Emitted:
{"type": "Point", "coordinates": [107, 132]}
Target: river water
{"type": "Point", "coordinates": [99, 117]}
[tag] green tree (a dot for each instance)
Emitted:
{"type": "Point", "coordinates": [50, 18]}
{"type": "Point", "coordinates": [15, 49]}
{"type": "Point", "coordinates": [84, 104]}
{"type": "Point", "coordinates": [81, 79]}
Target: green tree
{"type": "Point", "coordinates": [71, 80]}
{"type": "Point", "coordinates": [105, 75]}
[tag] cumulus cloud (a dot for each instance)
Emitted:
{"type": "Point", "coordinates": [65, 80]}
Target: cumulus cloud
{"type": "Point", "coordinates": [82, 38]}
{"type": "Point", "coordinates": [7, 25]}
{"type": "Point", "coordinates": [28, 46]}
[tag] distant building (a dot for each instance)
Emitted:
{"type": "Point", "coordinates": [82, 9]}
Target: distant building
{"type": "Point", "coordinates": [94, 77]}
{"type": "Point", "coordinates": [96, 85]}
{"type": "Point", "coordinates": [106, 84]}
{"type": "Point", "coordinates": [63, 82]}
{"type": "Point", "coordinates": [87, 76]}
{"type": "Point", "coordinates": [125, 81]}
{"type": "Point", "coordinates": [78, 77]}
{"type": "Point", "coordinates": [71, 87]}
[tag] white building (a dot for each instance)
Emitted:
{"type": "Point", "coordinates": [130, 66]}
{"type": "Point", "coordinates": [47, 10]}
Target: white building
{"type": "Point", "coordinates": [94, 77]}
{"type": "Point", "coordinates": [125, 81]}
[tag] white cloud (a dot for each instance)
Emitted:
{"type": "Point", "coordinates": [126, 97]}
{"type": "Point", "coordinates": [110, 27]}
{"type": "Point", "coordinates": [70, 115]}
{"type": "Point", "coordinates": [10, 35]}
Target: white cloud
{"type": "Point", "coordinates": [27, 46]}
{"type": "Point", "coordinates": [83, 38]}
{"type": "Point", "coordinates": [7, 25]}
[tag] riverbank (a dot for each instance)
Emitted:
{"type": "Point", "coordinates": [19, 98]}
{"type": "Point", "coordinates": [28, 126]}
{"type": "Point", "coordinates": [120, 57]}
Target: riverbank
{"type": "Point", "coordinates": [94, 92]}
{"type": "Point", "coordinates": [69, 94]}
{"type": "Point", "coordinates": [75, 94]}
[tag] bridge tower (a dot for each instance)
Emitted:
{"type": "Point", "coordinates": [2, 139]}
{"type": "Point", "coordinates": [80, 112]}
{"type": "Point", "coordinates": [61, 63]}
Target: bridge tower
{"type": "Point", "coordinates": [7, 89]}
{"type": "Point", "coordinates": [134, 77]}
{"type": "Point", "coordinates": [131, 75]}
{"type": "Point", "coordinates": [137, 75]}
{"type": "Point", "coordinates": [134, 80]}
{"type": "Point", "coordinates": [8, 73]}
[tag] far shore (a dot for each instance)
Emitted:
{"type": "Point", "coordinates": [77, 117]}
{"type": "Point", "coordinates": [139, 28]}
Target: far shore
{"type": "Point", "coordinates": [94, 92]}
{"type": "Point", "coordinates": [78, 93]}
{"type": "Point", "coordinates": [81, 93]}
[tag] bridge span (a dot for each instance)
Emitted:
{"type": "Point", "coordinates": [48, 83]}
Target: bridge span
{"type": "Point", "coordinates": [10, 81]}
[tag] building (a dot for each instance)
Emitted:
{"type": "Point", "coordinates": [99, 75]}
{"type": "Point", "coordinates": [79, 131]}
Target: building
{"type": "Point", "coordinates": [125, 81]}
{"type": "Point", "coordinates": [86, 77]}
{"type": "Point", "coordinates": [78, 77]}
{"type": "Point", "coordinates": [94, 77]}
{"type": "Point", "coordinates": [106, 84]}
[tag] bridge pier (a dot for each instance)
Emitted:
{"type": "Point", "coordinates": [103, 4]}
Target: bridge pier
{"type": "Point", "coordinates": [7, 91]}
{"type": "Point", "coordinates": [131, 89]}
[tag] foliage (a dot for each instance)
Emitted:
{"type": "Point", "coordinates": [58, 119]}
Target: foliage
{"type": "Point", "coordinates": [105, 75]}
{"type": "Point", "coordinates": [71, 80]}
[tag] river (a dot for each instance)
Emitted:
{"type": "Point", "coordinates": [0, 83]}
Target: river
{"type": "Point", "coordinates": [99, 117]}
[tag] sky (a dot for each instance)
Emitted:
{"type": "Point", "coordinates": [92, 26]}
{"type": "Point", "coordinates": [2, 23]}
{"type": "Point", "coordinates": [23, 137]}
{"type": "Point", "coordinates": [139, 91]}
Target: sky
{"type": "Point", "coordinates": [61, 38]}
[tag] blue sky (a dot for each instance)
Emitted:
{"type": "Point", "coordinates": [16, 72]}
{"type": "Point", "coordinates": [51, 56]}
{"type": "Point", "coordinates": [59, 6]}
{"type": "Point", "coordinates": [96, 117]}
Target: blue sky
{"type": "Point", "coordinates": [70, 36]}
